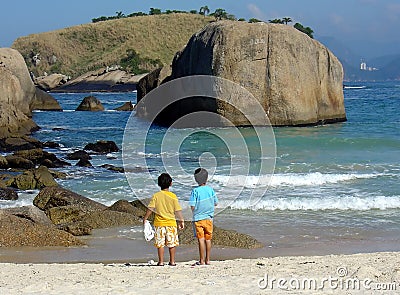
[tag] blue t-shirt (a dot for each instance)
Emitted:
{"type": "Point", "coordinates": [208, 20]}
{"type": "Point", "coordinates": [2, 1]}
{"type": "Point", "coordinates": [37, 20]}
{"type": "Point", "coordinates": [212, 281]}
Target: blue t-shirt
{"type": "Point", "coordinates": [203, 199]}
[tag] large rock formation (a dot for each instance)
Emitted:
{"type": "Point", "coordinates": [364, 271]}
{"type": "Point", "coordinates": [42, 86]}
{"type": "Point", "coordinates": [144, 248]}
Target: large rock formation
{"type": "Point", "coordinates": [297, 80]}
{"type": "Point", "coordinates": [17, 91]}
{"type": "Point", "coordinates": [110, 79]}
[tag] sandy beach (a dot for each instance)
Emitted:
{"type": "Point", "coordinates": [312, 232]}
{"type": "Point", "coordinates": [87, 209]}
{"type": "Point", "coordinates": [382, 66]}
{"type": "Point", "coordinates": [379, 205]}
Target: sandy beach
{"type": "Point", "coordinates": [373, 273]}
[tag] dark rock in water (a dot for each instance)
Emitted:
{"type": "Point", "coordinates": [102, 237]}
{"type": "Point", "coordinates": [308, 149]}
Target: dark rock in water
{"type": "Point", "coordinates": [84, 163]}
{"type": "Point", "coordinates": [58, 129]}
{"type": "Point", "coordinates": [64, 206]}
{"type": "Point", "coordinates": [3, 163]}
{"type": "Point", "coordinates": [141, 170]}
{"type": "Point", "coordinates": [19, 162]}
{"type": "Point", "coordinates": [44, 102]}
{"type": "Point", "coordinates": [221, 237]}
{"type": "Point", "coordinates": [40, 157]}
{"type": "Point", "coordinates": [8, 194]}
{"type": "Point", "coordinates": [128, 106]}
{"type": "Point", "coordinates": [79, 155]}
{"type": "Point", "coordinates": [51, 144]}
{"type": "Point", "coordinates": [153, 80]}
{"type": "Point", "coordinates": [90, 103]}
{"type": "Point", "coordinates": [113, 168]}
{"type": "Point", "coordinates": [19, 143]}
{"type": "Point", "coordinates": [102, 147]}
{"type": "Point", "coordinates": [20, 229]}
{"type": "Point", "coordinates": [33, 179]}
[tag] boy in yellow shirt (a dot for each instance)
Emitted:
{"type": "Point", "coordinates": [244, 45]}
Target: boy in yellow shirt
{"type": "Point", "coordinates": [166, 207]}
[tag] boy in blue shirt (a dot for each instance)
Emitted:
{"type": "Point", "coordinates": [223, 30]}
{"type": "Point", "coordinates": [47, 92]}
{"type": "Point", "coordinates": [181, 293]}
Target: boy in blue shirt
{"type": "Point", "coordinates": [202, 202]}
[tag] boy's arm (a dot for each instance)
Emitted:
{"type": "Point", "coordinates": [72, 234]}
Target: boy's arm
{"type": "Point", "coordinates": [148, 213]}
{"type": "Point", "coordinates": [181, 221]}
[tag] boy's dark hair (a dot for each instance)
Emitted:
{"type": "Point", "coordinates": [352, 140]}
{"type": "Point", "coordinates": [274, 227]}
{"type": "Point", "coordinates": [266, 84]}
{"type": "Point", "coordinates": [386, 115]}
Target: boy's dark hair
{"type": "Point", "coordinates": [200, 175]}
{"type": "Point", "coordinates": [164, 180]}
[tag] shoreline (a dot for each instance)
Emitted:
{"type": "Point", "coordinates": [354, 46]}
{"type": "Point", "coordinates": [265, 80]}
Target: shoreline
{"type": "Point", "coordinates": [364, 272]}
{"type": "Point", "coordinates": [112, 246]}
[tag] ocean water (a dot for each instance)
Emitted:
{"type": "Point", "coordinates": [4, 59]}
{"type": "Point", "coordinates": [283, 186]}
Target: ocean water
{"type": "Point", "coordinates": [331, 185]}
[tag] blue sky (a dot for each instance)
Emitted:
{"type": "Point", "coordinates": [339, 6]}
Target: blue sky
{"type": "Point", "coordinates": [362, 24]}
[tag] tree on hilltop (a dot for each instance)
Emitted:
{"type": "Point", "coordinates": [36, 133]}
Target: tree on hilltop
{"type": "Point", "coordinates": [254, 20]}
{"type": "Point", "coordinates": [204, 10]}
{"type": "Point", "coordinates": [119, 14]}
{"type": "Point", "coordinates": [305, 30]}
{"type": "Point", "coordinates": [276, 21]}
{"type": "Point", "coordinates": [154, 11]}
{"type": "Point", "coordinates": [287, 20]}
{"type": "Point", "coordinates": [220, 13]}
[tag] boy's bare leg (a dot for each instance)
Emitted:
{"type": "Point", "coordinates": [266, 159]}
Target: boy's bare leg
{"type": "Point", "coordinates": [202, 250]}
{"type": "Point", "coordinates": [208, 251]}
{"type": "Point", "coordinates": [172, 255]}
{"type": "Point", "coordinates": [160, 252]}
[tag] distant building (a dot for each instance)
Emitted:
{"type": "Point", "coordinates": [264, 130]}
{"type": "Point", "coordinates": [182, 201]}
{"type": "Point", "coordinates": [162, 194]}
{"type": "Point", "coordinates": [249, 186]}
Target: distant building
{"type": "Point", "coordinates": [363, 67]}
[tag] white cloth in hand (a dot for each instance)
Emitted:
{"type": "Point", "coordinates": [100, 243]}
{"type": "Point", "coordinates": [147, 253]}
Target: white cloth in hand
{"type": "Point", "coordinates": [148, 231]}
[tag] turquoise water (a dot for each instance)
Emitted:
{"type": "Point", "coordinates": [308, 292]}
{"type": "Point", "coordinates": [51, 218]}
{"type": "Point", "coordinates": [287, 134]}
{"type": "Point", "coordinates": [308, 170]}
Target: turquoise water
{"type": "Point", "coordinates": [331, 183]}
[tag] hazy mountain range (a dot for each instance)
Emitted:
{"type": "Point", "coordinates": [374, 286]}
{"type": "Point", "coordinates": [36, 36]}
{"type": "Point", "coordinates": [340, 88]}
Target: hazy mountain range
{"type": "Point", "coordinates": [378, 68]}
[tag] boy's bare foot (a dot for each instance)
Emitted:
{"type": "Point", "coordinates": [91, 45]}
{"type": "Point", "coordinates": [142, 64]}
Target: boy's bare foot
{"type": "Point", "coordinates": [208, 263]}
{"type": "Point", "coordinates": [198, 263]}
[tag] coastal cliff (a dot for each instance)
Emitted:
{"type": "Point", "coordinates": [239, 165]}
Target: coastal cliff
{"type": "Point", "coordinates": [297, 80]}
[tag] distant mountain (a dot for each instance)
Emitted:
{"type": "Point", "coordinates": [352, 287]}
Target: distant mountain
{"type": "Point", "coordinates": [388, 67]}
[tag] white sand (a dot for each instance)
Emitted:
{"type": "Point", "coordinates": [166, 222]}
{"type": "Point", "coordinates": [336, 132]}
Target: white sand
{"type": "Point", "coordinates": [240, 276]}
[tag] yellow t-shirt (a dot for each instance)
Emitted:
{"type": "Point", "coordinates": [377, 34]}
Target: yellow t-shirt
{"type": "Point", "coordinates": [165, 204]}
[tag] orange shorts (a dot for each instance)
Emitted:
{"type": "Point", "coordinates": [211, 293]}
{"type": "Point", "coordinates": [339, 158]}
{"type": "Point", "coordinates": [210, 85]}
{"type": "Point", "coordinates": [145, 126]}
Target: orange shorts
{"type": "Point", "coordinates": [204, 229]}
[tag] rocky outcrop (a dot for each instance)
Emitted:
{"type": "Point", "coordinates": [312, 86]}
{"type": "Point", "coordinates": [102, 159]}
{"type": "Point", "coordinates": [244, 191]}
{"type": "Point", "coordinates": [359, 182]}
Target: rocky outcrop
{"type": "Point", "coordinates": [113, 168]}
{"type": "Point", "coordinates": [221, 237]}
{"type": "Point", "coordinates": [8, 194]}
{"type": "Point", "coordinates": [17, 92]}
{"type": "Point", "coordinates": [78, 155]}
{"type": "Point", "coordinates": [33, 179]}
{"type": "Point", "coordinates": [110, 79]}
{"type": "Point", "coordinates": [51, 81]}
{"type": "Point", "coordinates": [16, 143]}
{"type": "Point", "coordinates": [57, 197]}
{"type": "Point", "coordinates": [27, 159]}
{"type": "Point", "coordinates": [26, 226]}
{"type": "Point", "coordinates": [44, 102]}
{"type": "Point", "coordinates": [77, 214]}
{"type": "Point", "coordinates": [102, 147]}
{"type": "Point", "coordinates": [90, 103]}
{"type": "Point", "coordinates": [127, 107]}
{"type": "Point", "coordinates": [153, 80]}
{"type": "Point", "coordinates": [84, 163]}
{"type": "Point", "coordinates": [297, 80]}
